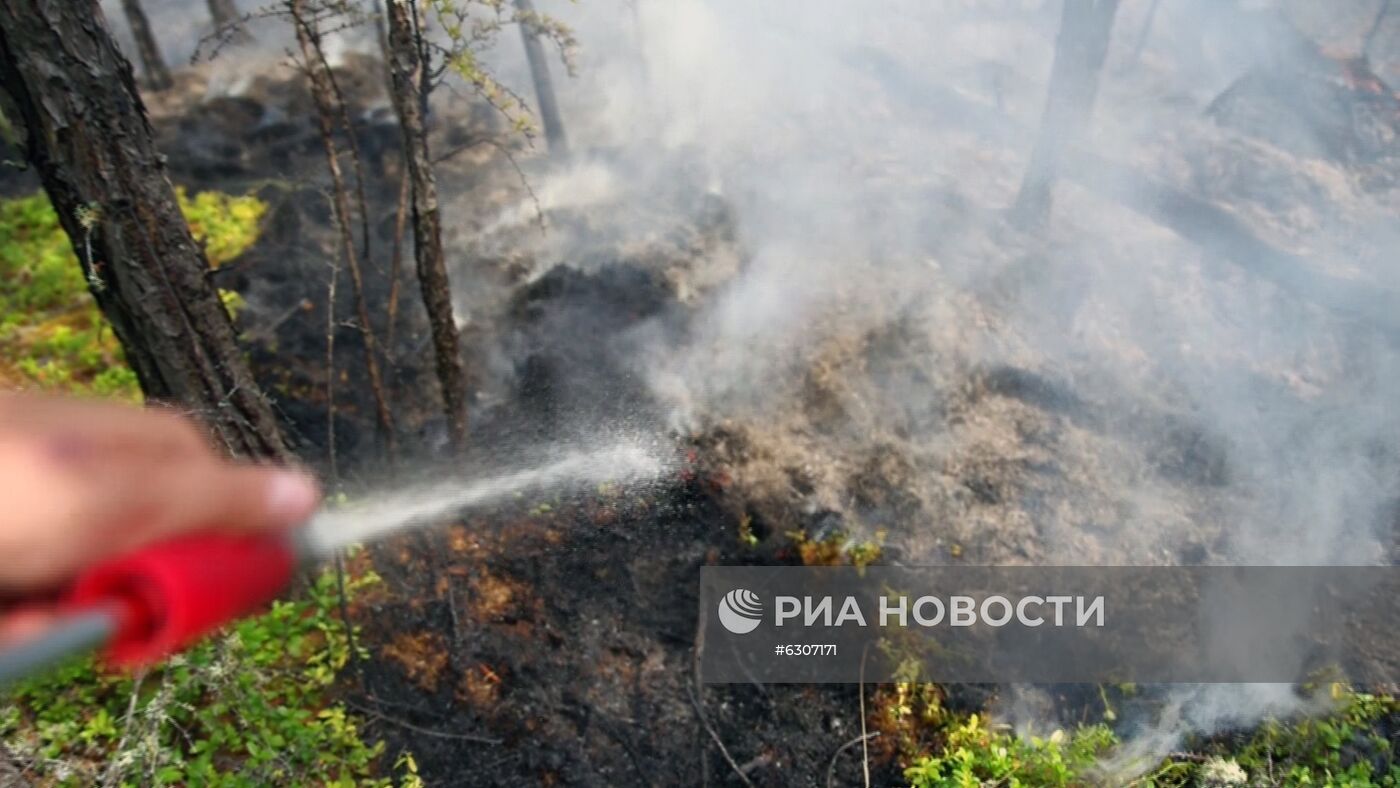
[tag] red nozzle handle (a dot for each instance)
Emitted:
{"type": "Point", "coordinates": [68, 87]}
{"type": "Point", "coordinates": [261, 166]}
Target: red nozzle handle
{"type": "Point", "coordinates": [173, 593]}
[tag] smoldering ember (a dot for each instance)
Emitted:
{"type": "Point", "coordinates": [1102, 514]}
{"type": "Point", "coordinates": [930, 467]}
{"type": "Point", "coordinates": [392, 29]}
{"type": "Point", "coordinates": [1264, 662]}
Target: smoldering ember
{"type": "Point", "coordinates": [992, 610]}
{"type": "Point", "coordinates": [561, 306]}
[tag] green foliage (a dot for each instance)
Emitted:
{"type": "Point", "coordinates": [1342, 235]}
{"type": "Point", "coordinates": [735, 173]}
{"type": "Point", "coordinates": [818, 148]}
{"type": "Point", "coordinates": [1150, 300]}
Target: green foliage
{"type": "Point", "coordinates": [747, 537]}
{"type": "Point", "coordinates": [836, 548]}
{"type": "Point", "coordinates": [1340, 749]}
{"type": "Point", "coordinates": [471, 27]}
{"type": "Point", "coordinates": [975, 755]}
{"type": "Point", "coordinates": [408, 767]}
{"type": "Point", "coordinates": [246, 708]}
{"type": "Point", "coordinates": [227, 225]}
{"type": "Point", "coordinates": [233, 302]}
{"type": "Point", "coordinates": [1343, 749]}
{"type": "Point", "coordinates": [51, 333]}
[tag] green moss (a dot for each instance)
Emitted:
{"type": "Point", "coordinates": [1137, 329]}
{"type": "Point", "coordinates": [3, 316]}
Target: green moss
{"type": "Point", "coordinates": [52, 335]}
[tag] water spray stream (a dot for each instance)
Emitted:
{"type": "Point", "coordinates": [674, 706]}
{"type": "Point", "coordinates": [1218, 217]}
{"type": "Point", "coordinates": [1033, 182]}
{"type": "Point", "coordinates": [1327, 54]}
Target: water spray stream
{"type": "Point", "coordinates": [386, 514]}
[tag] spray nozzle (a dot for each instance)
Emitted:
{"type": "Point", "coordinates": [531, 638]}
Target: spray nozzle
{"type": "Point", "coordinates": [171, 594]}
{"type": "Point", "coordinates": [147, 605]}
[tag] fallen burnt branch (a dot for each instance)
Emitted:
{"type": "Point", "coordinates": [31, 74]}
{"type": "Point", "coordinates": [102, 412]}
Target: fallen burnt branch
{"type": "Point", "coordinates": [714, 736]}
{"type": "Point", "coordinates": [836, 756]}
{"type": "Point", "coordinates": [376, 714]}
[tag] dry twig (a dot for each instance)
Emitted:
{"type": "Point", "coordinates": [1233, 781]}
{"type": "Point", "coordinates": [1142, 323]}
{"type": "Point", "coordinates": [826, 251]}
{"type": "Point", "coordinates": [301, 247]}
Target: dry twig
{"type": "Point", "coordinates": [861, 739]}
{"type": "Point", "coordinates": [408, 726]}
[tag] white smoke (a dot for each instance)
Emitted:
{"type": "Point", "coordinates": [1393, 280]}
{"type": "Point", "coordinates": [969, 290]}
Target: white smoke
{"type": "Point", "coordinates": [834, 129]}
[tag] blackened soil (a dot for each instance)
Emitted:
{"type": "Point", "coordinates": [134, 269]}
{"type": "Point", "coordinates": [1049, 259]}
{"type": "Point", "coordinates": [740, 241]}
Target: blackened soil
{"type": "Point", "coordinates": [567, 640]}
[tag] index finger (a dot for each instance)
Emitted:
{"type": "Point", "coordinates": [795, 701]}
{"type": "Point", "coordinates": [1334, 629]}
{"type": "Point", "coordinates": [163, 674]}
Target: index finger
{"type": "Point", "coordinates": [84, 427]}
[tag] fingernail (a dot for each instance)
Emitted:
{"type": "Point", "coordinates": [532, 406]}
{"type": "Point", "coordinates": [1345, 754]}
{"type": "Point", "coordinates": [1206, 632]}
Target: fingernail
{"type": "Point", "coordinates": [291, 496]}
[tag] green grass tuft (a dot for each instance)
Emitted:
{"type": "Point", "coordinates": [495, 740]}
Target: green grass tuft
{"type": "Point", "coordinates": [974, 754]}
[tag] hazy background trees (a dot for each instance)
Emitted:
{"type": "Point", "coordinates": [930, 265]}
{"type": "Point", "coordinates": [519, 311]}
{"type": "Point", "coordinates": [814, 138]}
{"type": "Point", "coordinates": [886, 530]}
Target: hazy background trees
{"type": "Point", "coordinates": [1080, 49]}
{"type": "Point", "coordinates": [152, 62]}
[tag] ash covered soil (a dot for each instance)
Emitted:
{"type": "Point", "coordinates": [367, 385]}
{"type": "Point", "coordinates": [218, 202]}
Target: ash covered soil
{"type": "Point", "coordinates": [973, 397]}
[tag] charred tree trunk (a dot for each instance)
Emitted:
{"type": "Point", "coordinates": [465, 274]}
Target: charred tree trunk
{"type": "Point", "coordinates": [1080, 49]}
{"type": "Point", "coordinates": [223, 12]}
{"type": "Point", "coordinates": [1146, 30]}
{"type": "Point", "coordinates": [544, 86]}
{"type": "Point", "coordinates": [227, 20]}
{"type": "Point", "coordinates": [396, 265]}
{"type": "Point", "coordinates": [406, 70]}
{"type": "Point", "coordinates": [157, 74]}
{"type": "Point", "coordinates": [89, 140]}
{"type": "Point", "coordinates": [327, 100]}
{"type": "Point", "coordinates": [1370, 39]}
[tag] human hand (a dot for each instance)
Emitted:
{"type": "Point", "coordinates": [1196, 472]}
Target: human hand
{"type": "Point", "coordinates": [81, 481]}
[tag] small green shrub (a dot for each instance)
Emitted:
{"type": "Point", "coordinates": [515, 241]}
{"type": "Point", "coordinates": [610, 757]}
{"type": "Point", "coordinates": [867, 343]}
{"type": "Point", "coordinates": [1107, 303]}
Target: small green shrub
{"type": "Point", "coordinates": [1340, 749]}
{"type": "Point", "coordinates": [975, 755]}
{"type": "Point", "coordinates": [1344, 749]}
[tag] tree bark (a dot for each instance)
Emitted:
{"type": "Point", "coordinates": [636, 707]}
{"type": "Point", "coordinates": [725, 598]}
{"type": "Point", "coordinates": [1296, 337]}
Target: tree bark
{"type": "Point", "coordinates": [1080, 48]}
{"type": "Point", "coordinates": [406, 71]}
{"type": "Point", "coordinates": [396, 266]}
{"type": "Point", "coordinates": [91, 144]}
{"type": "Point", "coordinates": [157, 74]}
{"type": "Point", "coordinates": [326, 96]}
{"type": "Point", "coordinates": [544, 85]}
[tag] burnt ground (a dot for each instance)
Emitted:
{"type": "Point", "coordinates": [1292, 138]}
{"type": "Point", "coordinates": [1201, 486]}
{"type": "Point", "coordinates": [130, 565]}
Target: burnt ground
{"type": "Point", "coordinates": [568, 639]}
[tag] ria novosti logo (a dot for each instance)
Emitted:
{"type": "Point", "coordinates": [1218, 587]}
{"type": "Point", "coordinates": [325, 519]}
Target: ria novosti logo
{"type": "Point", "coordinates": [740, 611]}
